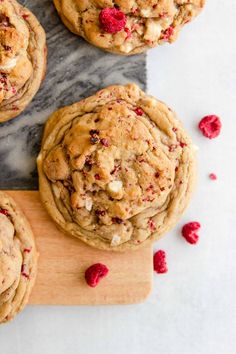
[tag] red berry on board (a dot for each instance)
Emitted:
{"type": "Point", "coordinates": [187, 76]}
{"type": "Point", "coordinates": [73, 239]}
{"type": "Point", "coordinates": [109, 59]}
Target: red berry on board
{"type": "Point", "coordinates": [95, 273]}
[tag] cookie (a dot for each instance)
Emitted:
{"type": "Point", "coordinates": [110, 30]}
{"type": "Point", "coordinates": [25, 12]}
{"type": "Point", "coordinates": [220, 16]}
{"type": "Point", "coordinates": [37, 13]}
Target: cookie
{"type": "Point", "coordinates": [18, 259]}
{"type": "Point", "coordinates": [116, 169]}
{"type": "Point", "coordinates": [127, 26]}
{"type": "Point", "coordinates": [22, 58]}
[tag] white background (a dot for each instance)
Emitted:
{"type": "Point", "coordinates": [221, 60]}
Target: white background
{"type": "Point", "coordinates": [192, 309]}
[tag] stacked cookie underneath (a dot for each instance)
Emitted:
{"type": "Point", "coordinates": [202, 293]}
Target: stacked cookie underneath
{"type": "Point", "coordinates": [18, 259]}
{"type": "Point", "coordinates": [22, 58]}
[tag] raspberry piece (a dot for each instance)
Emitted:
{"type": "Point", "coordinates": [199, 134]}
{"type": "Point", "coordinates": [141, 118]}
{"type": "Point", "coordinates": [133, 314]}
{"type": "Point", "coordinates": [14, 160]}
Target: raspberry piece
{"type": "Point", "coordinates": [159, 262]}
{"type": "Point", "coordinates": [117, 220]}
{"type": "Point", "coordinates": [94, 132]}
{"type": "Point", "coordinates": [210, 126]}
{"type": "Point", "coordinates": [139, 111]}
{"type": "Point", "coordinates": [189, 232]}
{"type": "Point", "coordinates": [24, 271]}
{"type": "Point", "coordinates": [152, 225]}
{"type": "Point", "coordinates": [95, 273]}
{"type": "Point", "coordinates": [213, 176]}
{"type": "Point", "coordinates": [112, 20]}
{"type": "Point", "coordinates": [182, 144]}
{"type": "Point", "coordinates": [105, 142]}
{"type": "Point", "coordinates": [168, 33]}
{"type": "Point", "coordinates": [4, 212]}
{"type": "Point", "coordinates": [100, 212]}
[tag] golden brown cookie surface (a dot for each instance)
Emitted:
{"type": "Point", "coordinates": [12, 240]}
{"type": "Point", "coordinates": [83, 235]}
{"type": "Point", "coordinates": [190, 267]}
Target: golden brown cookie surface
{"type": "Point", "coordinates": [127, 26]}
{"type": "Point", "coordinates": [116, 169]}
{"type": "Point", "coordinates": [18, 259]}
{"type": "Point", "coordinates": [22, 58]}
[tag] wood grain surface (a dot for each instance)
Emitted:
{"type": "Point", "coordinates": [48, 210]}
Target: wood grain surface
{"type": "Point", "coordinates": [63, 261]}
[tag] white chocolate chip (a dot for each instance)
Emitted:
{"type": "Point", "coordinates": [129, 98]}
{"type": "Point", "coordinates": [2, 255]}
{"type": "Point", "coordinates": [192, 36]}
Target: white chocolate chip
{"type": "Point", "coordinates": [115, 240]}
{"type": "Point", "coordinates": [145, 13]}
{"type": "Point", "coordinates": [9, 65]}
{"type": "Point", "coordinates": [56, 191]}
{"type": "Point", "coordinates": [127, 47]}
{"type": "Point", "coordinates": [88, 204]}
{"type": "Point", "coordinates": [153, 30]}
{"type": "Point", "coordinates": [115, 186]}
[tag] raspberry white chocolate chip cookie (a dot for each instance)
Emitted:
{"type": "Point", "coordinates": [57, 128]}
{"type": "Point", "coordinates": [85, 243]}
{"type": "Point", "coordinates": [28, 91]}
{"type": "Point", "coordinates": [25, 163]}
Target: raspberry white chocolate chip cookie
{"type": "Point", "coordinates": [127, 26]}
{"type": "Point", "coordinates": [18, 259]}
{"type": "Point", "coordinates": [22, 58]}
{"type": "Point", "coordinates": [124, 193]}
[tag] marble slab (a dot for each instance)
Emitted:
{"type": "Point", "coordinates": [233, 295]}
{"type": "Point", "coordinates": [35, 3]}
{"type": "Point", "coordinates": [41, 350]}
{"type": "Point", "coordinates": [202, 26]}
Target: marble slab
{"type": "Point", "coordinates": [75, 70]}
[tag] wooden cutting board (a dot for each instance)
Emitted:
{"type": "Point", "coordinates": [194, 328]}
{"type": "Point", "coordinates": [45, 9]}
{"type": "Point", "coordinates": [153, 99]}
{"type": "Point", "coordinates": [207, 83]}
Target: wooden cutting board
{"type": "Point", "coordinates": [63, 261]}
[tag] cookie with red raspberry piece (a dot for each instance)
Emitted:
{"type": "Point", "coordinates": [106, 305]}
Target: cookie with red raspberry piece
{"type": "Point", "coordinates": [127, 27]}
{"type": "Point", "coordinates": [131, 185]}
{"type": "Point", "coordinates": [23, 56]}
{"type": "Point", "coordinates": [18, 259]}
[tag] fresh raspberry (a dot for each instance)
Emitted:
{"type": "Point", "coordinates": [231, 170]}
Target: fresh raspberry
{"type": "Point", "coordinates": [210, 126]}
{"type": "Point", "coordinates": [213, 176]}
{"type": "Point", "coordinates": [189, 232]}
{"type": "Point", "coordinates": [139, 111]}
{"type": "Point", "coordinates": [95, 273]}
{"type": "Point", "coordinates": [4, 212]}
{"type": "Point", "coordinates": [112, 20]}
{"type": "Point", "coordinates": [159, 262]}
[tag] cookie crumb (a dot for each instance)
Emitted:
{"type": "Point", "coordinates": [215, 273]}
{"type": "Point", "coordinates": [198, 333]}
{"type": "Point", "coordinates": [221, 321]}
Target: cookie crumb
{"type": "Point", "coordinates": [159, 262]}
{"type": "Point", "coordinates": [95, 273]}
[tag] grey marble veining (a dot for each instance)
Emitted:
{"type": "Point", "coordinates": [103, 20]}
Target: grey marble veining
{"type": "Point", "coordinates": [75, 70]}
